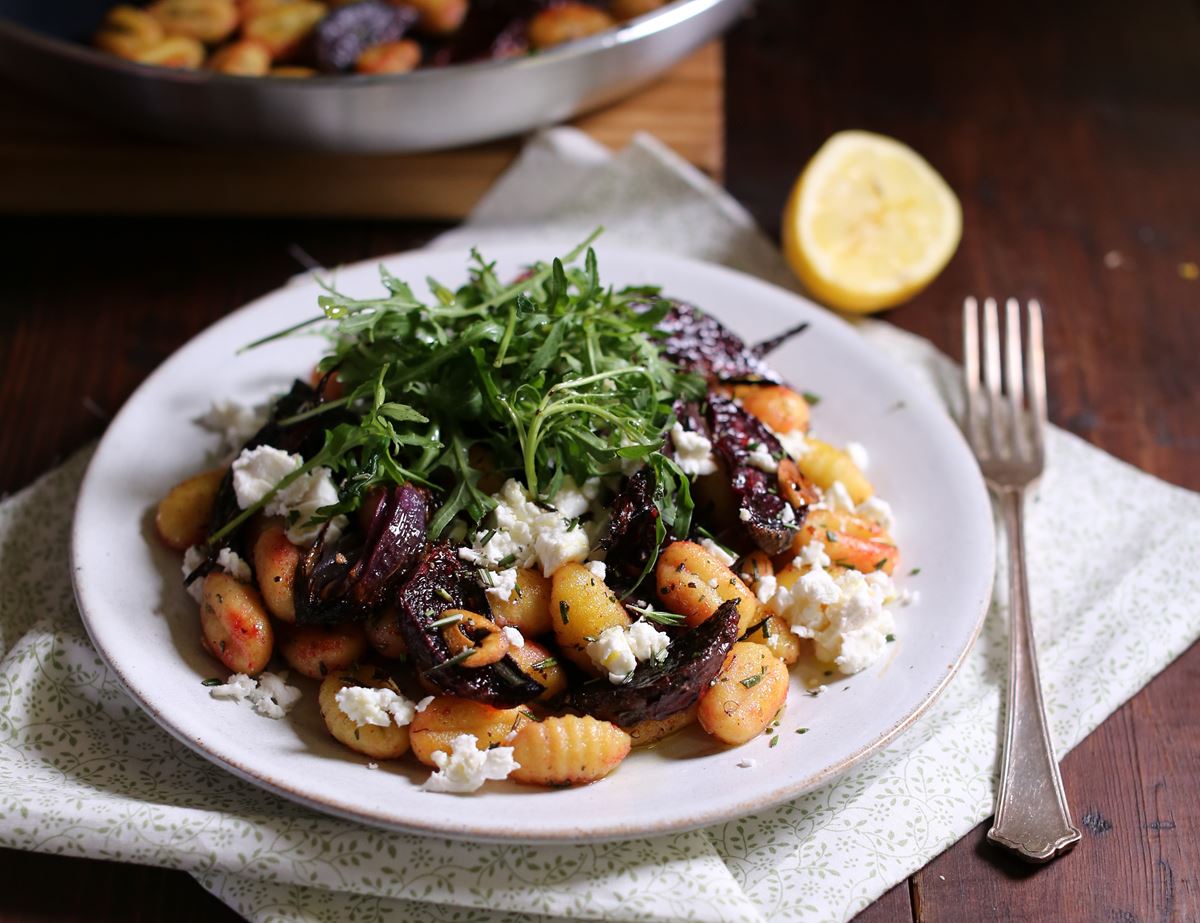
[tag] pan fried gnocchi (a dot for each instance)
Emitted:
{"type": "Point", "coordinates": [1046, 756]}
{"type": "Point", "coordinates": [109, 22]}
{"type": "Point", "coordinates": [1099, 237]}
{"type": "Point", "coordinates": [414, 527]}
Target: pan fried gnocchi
{"type": "Point", "coordinates": [507, 585]}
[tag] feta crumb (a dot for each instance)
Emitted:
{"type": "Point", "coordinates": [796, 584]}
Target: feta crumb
{"type": "Point", "coordinates": [812, 555]}
{"type": "Point", "coordinates": [717, 552]}
{"type": "Point", "coordinates": [503, 583]}
{"type": "Point", "coordinates": [838, 498]}
{"type": "Point", "coordinates": [794, 443]}
{"type": "Point", "coordinates": [234, 422]}
{"type": "Point", "coordinates": [372, 765]}
{"type": "Point", "coordinates": [257, 471]}
{"type": "Point", "coordinates": [598, 568]}
{"type": "Point", "coordinates": [787, 514]}
{"type": "Point", "coordinates": [765, 588]}
{"type": "Point", "coordinates": [879, 511]}
{"type": "Point", "coordinates": [619, 649]}
{"type": "Point", "coordinates": [745, 515]}
{"type": "Point", "coordinates": [231, 562]}
{"type": "Point", "coordinates": [693, 451]}
{"type": "Point", "coordinates": [269, 695]}
{"type": "Point", "coordinates": [425, 703]}
{"type": "Point", "coordinates": [858, 454]}
{"type": "Point", "coordinates": [714, 582]}
{"type": "Point", "coordinates": [763, 460]}
{"type": "Point", "coordinates": [747, 763]}
{"type": "Point", "coordinates": [366, 705]}
{"type": "Point", "coordinates": [515, 638]}
{"type": "Point", "coordinates": [465, 768]}
{"type": "Point", "coordinates": [817, 691]}
{"type": "Point", "coordinates": [227, 559]}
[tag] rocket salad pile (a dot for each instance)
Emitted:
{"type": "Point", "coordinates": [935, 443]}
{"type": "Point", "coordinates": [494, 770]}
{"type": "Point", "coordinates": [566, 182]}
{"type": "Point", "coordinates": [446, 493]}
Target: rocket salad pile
{"type": "Point", "coordinates": [522, 526]}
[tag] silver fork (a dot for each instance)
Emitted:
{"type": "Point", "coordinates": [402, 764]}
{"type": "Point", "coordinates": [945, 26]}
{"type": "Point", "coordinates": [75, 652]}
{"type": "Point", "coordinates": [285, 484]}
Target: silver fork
{"type": "Point", "coordinates": [1006, 414]}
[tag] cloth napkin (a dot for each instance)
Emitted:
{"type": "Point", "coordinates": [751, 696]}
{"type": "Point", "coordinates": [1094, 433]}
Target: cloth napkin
{"type": "Point", "coordinates": [83, 772]}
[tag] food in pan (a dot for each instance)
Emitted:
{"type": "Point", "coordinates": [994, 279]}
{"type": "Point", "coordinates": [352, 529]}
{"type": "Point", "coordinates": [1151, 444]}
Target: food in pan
{"type": "Point", "coordinates": [524, 526]}
{"type": "Point", "coordinates": [304, 38]}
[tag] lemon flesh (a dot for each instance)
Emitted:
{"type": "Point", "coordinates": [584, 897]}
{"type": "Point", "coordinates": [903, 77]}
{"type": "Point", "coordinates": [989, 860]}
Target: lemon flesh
{"type": "Point", "coordinates": [869, 223]}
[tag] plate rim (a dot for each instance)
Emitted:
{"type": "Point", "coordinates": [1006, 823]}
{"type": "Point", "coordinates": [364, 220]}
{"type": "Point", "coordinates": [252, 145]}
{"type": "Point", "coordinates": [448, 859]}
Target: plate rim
{"type": "Point", "coordinates": [556, 835]}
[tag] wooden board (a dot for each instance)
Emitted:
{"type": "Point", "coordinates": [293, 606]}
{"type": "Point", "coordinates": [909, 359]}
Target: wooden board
{"type": "Point", "coordinates": [54, 161]}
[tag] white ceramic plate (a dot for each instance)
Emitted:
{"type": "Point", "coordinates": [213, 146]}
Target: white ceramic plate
{"type": "Point", "coordinates": [145, 626]}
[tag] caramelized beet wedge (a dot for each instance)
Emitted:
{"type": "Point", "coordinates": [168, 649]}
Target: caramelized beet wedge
{"type": "Point", "coordinates": [702, 344]}
{"type": "Point", "coordinates": [735, 434]}
{"type": "Point", "coordinates": [343, 580]}
{"type": "Point", "coordinates": [658, 690]}
{"type": "Point", "coordinates": [441, 581]}
{"type": "Point", "coordinates": [631, 539]}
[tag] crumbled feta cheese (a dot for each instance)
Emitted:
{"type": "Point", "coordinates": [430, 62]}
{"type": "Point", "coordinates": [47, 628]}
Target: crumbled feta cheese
{"type": "Point", "coordinates": [817, 691]}
{"type": "Point", "coordinates": [425, 703]}
{"type": "Point", "coordinates": [787, 514]}
{"type": "Point", "coordinates": [372, 765]}
{"type": "Point", "coordinates": [269, 695]}
{"type": "Point", "coordinates": [465, 768]}
{"type": "Point", "coordinates": [619, 649]}
{"type": "Point", "coordinates": [747, 763]}
{"type": "Point", "coordinates": [794, 443]}
{"type": "Point", "coordinates": [812, 555]}
{"type": "Point", "coordinates": [515, 638]}
{"type": "Point", "coordinates": [256, 472]}
{"type": "Point", "coordinates": [879, 511]}
{"type": "Point", "coordinates": [526, 534]}
{"type": "Point", "coordinates": [693, 451]}
{"type": "Point", "coordinates": [380, 707]}
{"type": "Point", "coordinates": [745, 515]}
{"type": "Point", "coordinates": [230, 562]}
{"type": "Point", "coordinates": [838, 498]}
{"type": "Point", "coordinates": [714, 582]}
{"type": "Point", "coordinates": [235, 422]}
{"type": "Point", "coordinates": [598, 568]}
{"type": "Point", "coordinates": [858, 454]}
{"type": "Point", "coordinates": [717, 552]}
{"type": "Point", "coordinates": [765, 588]}
{"type": "Point", "coordinates": [763, 460]}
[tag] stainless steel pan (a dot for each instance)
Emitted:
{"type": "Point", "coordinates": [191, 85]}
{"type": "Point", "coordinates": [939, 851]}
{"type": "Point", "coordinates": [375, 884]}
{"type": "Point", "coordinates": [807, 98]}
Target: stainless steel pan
{"type": "Point", "coordinates": [42, 46]}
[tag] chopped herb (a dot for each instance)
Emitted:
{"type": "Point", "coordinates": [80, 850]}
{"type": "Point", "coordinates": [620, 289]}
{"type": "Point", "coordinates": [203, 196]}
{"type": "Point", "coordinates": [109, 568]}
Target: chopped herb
{"type": "Point", "coordinates": [528, 714]}
{"type": "Point", "coordinates": [654, 615]}
{"type": "Point", "coordinates": [891, 638]}
{"type": "Point", "coordinates": [914, 572]}
{"type": "Point", "coordinates": [506, 562]}
{"type": "Point", "coordinates": [444, 593]}
{"type": "Point", "coordinates": [448, 620]}
{"type": "Point", "coordinates": [452, 662]}
{"type": "Point", "coordinates": [813, 399]}
{"type": "Point", "coordinates": [564, 610]}
{"type": "Point", "coordinates": [801, 730]}
{"type": "Point", "coordinates": [774, 741]}
{"type": "Point", "coordinates": [212, 681]}
{"type": "Point", "coordinates": [881, 563]}
{"type": "Point", "coordinates": [545, 664]}
{"type": "Point", "coordinates": [751, 681]}
{"type": "Point", "coordinates": [487, 537]}
{"type": "Point", "coordinates": [830, 536]}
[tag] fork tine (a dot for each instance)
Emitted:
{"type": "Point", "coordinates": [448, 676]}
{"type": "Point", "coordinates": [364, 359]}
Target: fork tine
{"type": "Point", "coordinates": [1036, 372]}
{"type": "Point", "coordinates": [971, 372]}
{"type": "Point", "coordinates": [991, 375]}
{"type": "Point", "coordinates": [1014, 376]}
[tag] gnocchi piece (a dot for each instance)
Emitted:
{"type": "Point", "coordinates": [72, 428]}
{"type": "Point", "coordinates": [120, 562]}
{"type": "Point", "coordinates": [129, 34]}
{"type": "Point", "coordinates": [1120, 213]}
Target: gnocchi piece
{"type": "Point", "coordinates": [383, 634]}
{"type": "Point", "coordinates": [567, 22]}
{"type": "Point", "coordinates": [275, 563]}
{"type": "Point", "coordinates": [448, 716]}
{"type": "Point", "coordinates": [126, 31]}
{"type": "Point", "coordinates": [794, 487]}
{"type": "Point", "coordinates": [750, 689]}
{"type": "Point", "coordinates": [440, 17]}
{"type": "Point", "coordinates": [823, 464]}
{"type": "Point", "coordinates": [631, 9]}
{"type": "Point", "coordinates": [376, 741]}
{"type": "Point", "coordinates": [850, 541]}
{"type": "Point", "coordinates": [529, 609]}
{"type": "Point", "coordinates": [581, 607]}
{"type": "Point", "coordinates": [778, 637]}
{"type": "Point", "coordinates": [539, 663]}
{"type": "Point", "coordinates": [183, 514]}
{"type": "Point", "coordinates": [173, 51]}
{"type": "Point", "coordinates": [292, 73]}
{"type": "Point", "coordinates": [234, 624]}
{"type": "Point", "coordinates": [284, 29]}
{"type": "Point", "coordinates": [570, 750]}
{"type": "Point", "coordinates": [652, 730]}
{"type": "Point", "coordinates": [754, 566]}
{"type": "Point", "coordinates": [251, 8]}
{"type": "Point", "coordinates": [778, 406]}
{"type": "Point", "coordinates": [474, 635]}
{"type": "Point", "coordinates": [241, 59]}
{"type": "Point", "coordinates": [389, 58]}
{"type": "Point", "coordinates": [207, 21]}
{"type": "Point", "coordinates": [692, 582]}
{"type": "Point", "coordinates": [316, 651]}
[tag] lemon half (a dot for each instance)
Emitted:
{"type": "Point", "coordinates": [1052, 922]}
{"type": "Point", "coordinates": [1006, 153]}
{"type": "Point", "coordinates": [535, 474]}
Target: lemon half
{"type": "Point", "coordinates": [869, 223]}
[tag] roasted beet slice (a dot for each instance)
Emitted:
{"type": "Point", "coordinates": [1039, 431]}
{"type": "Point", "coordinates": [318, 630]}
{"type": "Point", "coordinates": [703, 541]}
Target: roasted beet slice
{"type": "Point", "coordinates": [700, 343]}
{"type": "Point", "coordinates": [767, 516]}
{"type": "Point", "coordinates": [631, 539]}
{"type": "Point", "coordinates": [350, 30]}
{"type": "Point", "coordinates": [657, 690]}
{"type": "Point", "coordinates": [343, 580]}
{"type": "Point", "coordinates": [441, 581]}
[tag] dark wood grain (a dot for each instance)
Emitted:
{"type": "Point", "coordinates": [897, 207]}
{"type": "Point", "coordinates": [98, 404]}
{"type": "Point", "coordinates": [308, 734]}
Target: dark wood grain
{"type": "Point", "coordinates": [1071, 132]}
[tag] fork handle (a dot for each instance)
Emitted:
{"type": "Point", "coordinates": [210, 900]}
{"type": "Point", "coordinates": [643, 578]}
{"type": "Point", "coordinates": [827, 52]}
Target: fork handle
{"type": "Point", "coordinates": [1032, 818]}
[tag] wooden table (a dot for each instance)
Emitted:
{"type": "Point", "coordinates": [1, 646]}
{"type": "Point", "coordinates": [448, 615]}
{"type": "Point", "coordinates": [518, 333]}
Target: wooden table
{"type": "Point", "coordinates": [1072, 134]}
